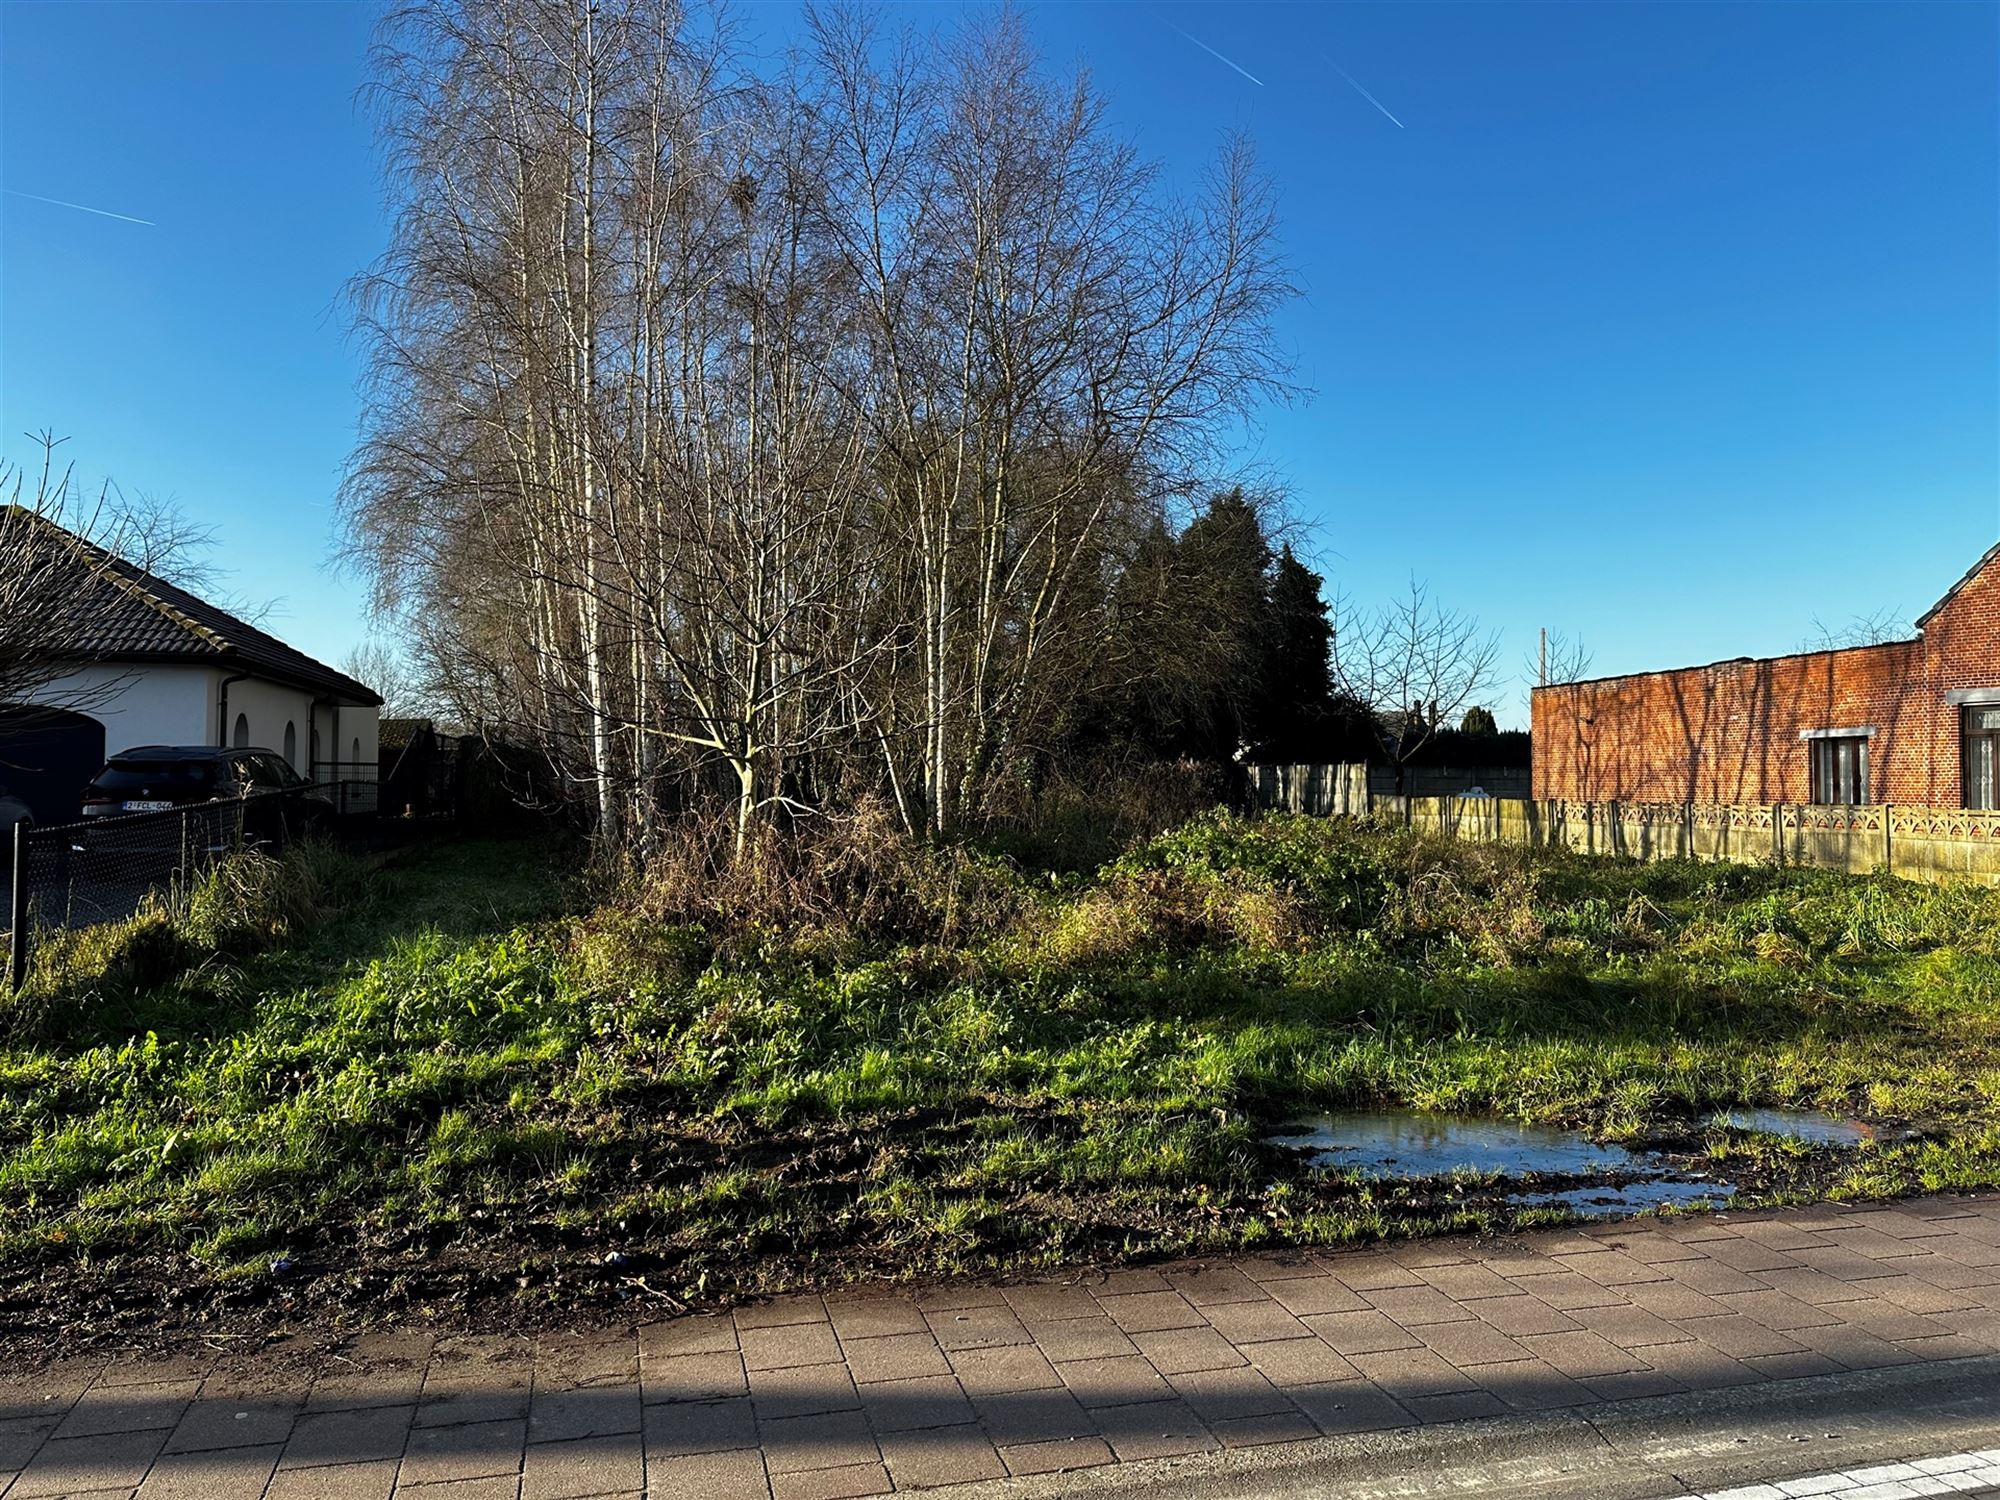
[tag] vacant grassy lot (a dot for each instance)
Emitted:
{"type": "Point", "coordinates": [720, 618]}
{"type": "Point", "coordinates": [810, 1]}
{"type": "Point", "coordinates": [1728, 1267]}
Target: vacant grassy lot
{"type": "Point", "coordinates": [462, 1076]}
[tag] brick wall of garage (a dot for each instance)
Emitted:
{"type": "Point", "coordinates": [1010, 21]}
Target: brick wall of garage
{"type": "Point", "coordinates": [1731, 731]}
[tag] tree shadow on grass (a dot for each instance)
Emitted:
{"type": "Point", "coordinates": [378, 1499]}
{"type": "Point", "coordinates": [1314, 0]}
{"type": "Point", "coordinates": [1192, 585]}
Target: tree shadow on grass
{"type": "Point", "coordinates": [1500, 1005]}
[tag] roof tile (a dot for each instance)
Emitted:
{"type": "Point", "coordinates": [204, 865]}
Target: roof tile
{"type": "Point", "coordinates": [145, 618]}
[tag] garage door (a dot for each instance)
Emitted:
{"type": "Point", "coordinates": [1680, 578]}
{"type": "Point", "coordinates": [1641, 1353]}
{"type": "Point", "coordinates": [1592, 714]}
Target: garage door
{"type": "Point", "coordinates": [47, 755]}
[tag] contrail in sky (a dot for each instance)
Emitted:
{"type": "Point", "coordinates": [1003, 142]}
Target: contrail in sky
{"type": "Point", "coordinates": [1223, 60]}
{"type": "Point", "coordinates": [1360, 90]}
{"type": "Point", "coordinates": [80, 207]}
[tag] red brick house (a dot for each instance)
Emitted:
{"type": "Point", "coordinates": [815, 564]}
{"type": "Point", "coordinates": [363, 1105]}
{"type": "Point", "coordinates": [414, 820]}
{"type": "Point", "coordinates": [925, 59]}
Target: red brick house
{"type": "Point", "coordinates": [1914, 722]}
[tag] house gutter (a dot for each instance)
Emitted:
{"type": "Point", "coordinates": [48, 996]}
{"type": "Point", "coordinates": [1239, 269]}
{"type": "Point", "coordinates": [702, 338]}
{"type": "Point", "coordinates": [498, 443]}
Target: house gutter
{"type": "Point", "coordinates": [312, 719]}
{"type": "Point", "coordinates": [222, 710]}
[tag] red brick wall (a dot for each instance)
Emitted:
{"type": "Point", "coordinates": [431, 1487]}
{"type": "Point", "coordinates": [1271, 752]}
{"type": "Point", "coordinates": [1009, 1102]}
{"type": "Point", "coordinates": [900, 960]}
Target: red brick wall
{"type": "Point", "coordinates": [1730, 732]}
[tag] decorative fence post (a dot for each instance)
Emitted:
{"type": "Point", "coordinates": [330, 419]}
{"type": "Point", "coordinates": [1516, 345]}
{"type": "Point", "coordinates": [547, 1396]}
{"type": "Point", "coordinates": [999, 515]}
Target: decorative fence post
{"type": "Point", "coordinates": [17, 943]}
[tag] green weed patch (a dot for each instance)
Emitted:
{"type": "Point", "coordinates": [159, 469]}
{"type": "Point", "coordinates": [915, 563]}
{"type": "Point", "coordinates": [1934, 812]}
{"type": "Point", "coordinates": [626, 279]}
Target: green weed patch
{"type": "Point", "coordinates": [458, 1077]}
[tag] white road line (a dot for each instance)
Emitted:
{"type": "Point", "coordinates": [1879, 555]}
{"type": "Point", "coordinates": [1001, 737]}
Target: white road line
{"type": "Point", "coordinates": [1953, 1474]}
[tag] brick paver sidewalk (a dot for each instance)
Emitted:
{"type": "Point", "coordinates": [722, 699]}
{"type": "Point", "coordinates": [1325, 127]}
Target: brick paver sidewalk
{"type": "Point", "coordinates": [860, 1393]}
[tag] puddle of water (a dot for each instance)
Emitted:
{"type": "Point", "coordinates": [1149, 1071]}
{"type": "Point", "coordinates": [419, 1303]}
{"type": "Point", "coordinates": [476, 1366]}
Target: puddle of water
{"type": "Point", "coordinates": [1397, 1143]}
{"type": "Point", "coordinates": [1389, 1145]}
{"type": "Point", "coordinates": [1808, 1125]}
{"type": "Point", "coordinates": [1400, 1145]}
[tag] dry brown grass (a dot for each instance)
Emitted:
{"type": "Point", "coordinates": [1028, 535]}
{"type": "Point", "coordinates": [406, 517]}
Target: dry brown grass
{"type": "Point", "coordinates": [856, 877]}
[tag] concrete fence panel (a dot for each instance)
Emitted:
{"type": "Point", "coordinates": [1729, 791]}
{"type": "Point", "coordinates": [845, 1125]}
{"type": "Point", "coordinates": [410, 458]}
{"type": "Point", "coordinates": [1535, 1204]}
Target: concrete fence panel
{"type": "Point", "coordinates": [1920, 843]}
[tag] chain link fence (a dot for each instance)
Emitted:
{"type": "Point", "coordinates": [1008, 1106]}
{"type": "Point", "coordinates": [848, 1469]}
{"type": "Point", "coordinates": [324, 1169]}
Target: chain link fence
{"type": "Point", "coordinates": [104, 869]}
{"type": "Point", "coordinates": [352, 786]}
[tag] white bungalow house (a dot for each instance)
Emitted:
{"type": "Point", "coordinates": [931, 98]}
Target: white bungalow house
{"type": "Point", "coordinates": [154, 665]}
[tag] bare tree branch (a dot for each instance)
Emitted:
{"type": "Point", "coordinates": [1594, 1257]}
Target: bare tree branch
{"type": "Point", "coordinates": [1556, 658]}
{"type": "Point", "coordinates": [58, 595]}
{"type": "Point", "coordinates": [781, 437]}
{"type": "Point", "coordinates": [1874, 629]}
{"type": "Point", "coordinates": [1416, 662]}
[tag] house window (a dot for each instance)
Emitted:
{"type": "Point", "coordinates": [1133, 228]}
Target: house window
{"type": "Point", "coordinates": [1982, 755]}
{"type": "Point", "coordinates": [241, 739]}
{"type": "Point", "coordinates": [1840, 769]}
{"type": "Point", "coordinates": [291, 744]}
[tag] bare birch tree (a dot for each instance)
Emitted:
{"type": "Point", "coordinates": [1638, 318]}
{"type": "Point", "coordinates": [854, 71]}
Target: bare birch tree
{"type": "Point", "coordinates": [769, 437]}
{"type": "Point", "coordinates": [1055, 343]}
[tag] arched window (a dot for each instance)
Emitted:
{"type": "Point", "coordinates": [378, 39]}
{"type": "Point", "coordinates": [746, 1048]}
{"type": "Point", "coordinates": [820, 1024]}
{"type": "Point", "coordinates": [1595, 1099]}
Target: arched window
{"type": "Point", "coordinates": [356, 757]}
{"type": "Point", "coordinates": [241, 739]}
{"type": "Point", "coordinates": [291, 744]}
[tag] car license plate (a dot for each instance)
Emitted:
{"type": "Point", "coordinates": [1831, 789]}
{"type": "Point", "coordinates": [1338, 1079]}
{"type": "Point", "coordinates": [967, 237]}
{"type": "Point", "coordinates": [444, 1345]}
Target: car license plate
{"type": "Point", "coordinates": [148, 806]}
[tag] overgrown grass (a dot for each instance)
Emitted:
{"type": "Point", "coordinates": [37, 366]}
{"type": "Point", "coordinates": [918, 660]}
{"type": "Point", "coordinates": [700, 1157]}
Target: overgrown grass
{"type": "Point", "coordinates": [939, 1061]}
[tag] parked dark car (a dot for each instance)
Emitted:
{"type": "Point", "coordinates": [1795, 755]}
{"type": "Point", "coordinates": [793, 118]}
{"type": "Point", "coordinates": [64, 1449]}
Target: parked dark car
{"type": "Point", "coordinates": [280, 803]}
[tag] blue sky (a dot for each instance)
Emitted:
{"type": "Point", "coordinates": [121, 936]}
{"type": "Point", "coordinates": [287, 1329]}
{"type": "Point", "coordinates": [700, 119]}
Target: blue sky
{"type": "Point", "coordinates": [1675, 326]}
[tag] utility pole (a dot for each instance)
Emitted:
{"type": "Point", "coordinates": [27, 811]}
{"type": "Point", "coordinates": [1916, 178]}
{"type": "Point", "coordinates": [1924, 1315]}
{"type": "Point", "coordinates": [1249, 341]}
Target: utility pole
{"type": "Point", "coordinates": [1542, 674]}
